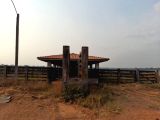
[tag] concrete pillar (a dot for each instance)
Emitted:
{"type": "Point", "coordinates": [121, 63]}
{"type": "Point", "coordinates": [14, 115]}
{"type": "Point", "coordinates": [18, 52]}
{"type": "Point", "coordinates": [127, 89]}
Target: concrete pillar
{"type": "Point", "coordinates": [49, 64]}
{"type": "Point", "coordinates": [90, 66]}
{"type": "Point", "coordinates": [79, 66]}
{"type": "Point", "coordinates": [84, 63]}
{"type": "Point", "coordinates": [65, 66]}
{"type": "Point", "coordinates": [97, 66]}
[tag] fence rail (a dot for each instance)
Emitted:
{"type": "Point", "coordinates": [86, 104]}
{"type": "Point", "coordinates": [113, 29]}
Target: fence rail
{"type": "Point", "coordinates": [128, 76]}
{"type": "Point", "coordinates": [104, 75]}
{"type": "Point", "coordinates": [24, 72]}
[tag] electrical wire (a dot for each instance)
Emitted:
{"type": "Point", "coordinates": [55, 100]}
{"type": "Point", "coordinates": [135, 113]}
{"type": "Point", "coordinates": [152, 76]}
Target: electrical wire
{"type": "Point", "coordinates": [14, 6]}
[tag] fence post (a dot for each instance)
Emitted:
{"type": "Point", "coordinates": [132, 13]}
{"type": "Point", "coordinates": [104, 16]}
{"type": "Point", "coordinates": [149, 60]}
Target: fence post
{"type": "Point", "coordinates": [157, 76]}
{"type": "Point", "coordinates": [26, 73]}
{"type": "Point", "coordinates": [118, 75]}
{"type": "Point", "coordinates": [5, 71]}
{"type": "Point", "coordinates": [49, 75]}
{"type": "Point", "coordinates": [137, 76]}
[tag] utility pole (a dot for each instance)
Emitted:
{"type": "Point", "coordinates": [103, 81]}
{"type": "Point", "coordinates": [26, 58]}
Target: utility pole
{"type": "Point", "coordinates": [17, 47]}
{"type": "Point", "coordinates": [17, 42]}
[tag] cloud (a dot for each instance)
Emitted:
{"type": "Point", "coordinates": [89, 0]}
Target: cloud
{"type": "Point", "coordinates": [157, 7]}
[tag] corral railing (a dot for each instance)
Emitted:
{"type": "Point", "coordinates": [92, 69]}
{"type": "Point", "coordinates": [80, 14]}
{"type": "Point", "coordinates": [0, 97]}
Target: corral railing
{"type": "Point", "coordinates": [24, 72]}
{"type": "Point", "coordinates": [104, 75]}
{"type": "Point", "coordinates": [128, 75]}
{"type": "Point", "coordinates": [149, 75]}
{"type": "Point", "coordinates": [30, 73]}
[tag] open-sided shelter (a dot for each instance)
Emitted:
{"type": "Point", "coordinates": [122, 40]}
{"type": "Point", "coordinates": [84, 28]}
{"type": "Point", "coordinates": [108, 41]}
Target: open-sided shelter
{"type": "Point", "coordinates": [56, 60]}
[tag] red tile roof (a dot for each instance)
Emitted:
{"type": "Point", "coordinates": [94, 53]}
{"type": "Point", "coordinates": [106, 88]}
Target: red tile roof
{"type": "Point", "coordinates": [73, 57]}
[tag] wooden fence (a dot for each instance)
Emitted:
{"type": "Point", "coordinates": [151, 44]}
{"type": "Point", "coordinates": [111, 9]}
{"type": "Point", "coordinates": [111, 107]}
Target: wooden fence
{"type": "Point", "coordinates": [24, 72]}
{"type": "Point", "coordinates": [104, 75]}
{"type": "Point", "coordinates": [128, 75]}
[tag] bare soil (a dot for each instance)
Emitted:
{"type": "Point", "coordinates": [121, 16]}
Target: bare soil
{"type": "Point", "coordinates": [137, 102]}
{"type": "Point", "coordinates": [131, 102]}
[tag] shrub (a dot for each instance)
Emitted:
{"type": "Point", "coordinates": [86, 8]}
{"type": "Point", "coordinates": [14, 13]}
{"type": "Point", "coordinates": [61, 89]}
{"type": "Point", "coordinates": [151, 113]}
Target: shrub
{"type": "Point", "coordinates": [96, 99]}
{"type": "Point", "coordinates": [72, 92]}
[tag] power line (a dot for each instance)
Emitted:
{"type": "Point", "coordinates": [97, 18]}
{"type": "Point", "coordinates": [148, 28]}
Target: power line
{"type": "Point", "coordinates": [14, 6]}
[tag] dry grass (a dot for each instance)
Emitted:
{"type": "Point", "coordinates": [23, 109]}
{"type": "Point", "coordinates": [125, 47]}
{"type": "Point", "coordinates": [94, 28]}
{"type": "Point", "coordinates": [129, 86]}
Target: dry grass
{"type": "Point", "coordinates": [39, 89]}
{"type": "Point", "coordinates": [154, 86]}
{"type": "Point", "coordinates": [57, 88]}
{"type": "Point", "coordinates": [97, 99]}
{"type": "Point", "coordinates": [7, 83]}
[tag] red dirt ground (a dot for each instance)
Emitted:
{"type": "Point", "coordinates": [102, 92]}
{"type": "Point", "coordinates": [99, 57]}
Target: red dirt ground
{"type": "Point", "coordinates": [142, 103]}
{"type": "Point", "coordinates": [134, 101]}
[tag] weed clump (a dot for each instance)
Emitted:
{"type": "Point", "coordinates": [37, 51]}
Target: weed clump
{"type": "Point", "coordinates": [88, 98]}
{"type": "Point", "coordinates": [97, 99]}
{"type": "Point", "coordinates": [73, 92]}
{"type": "Point", "coordinates": [154, 86]}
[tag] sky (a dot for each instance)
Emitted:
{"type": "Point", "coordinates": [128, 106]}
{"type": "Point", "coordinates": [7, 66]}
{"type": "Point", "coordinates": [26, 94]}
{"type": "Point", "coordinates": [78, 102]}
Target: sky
{"type": "Point", "coordinates": [126, 31]}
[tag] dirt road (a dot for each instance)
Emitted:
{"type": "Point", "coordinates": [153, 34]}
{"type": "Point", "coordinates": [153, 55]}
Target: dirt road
{"type": "Point", "coordinates": [135, 101]}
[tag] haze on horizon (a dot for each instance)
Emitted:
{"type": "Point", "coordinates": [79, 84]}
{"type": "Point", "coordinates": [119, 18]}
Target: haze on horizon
{"type": "Point", "coordinates": [126, 31]}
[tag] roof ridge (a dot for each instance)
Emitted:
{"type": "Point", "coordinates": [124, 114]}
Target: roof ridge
{"type": "Point", "coordinates": [73, 56]}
